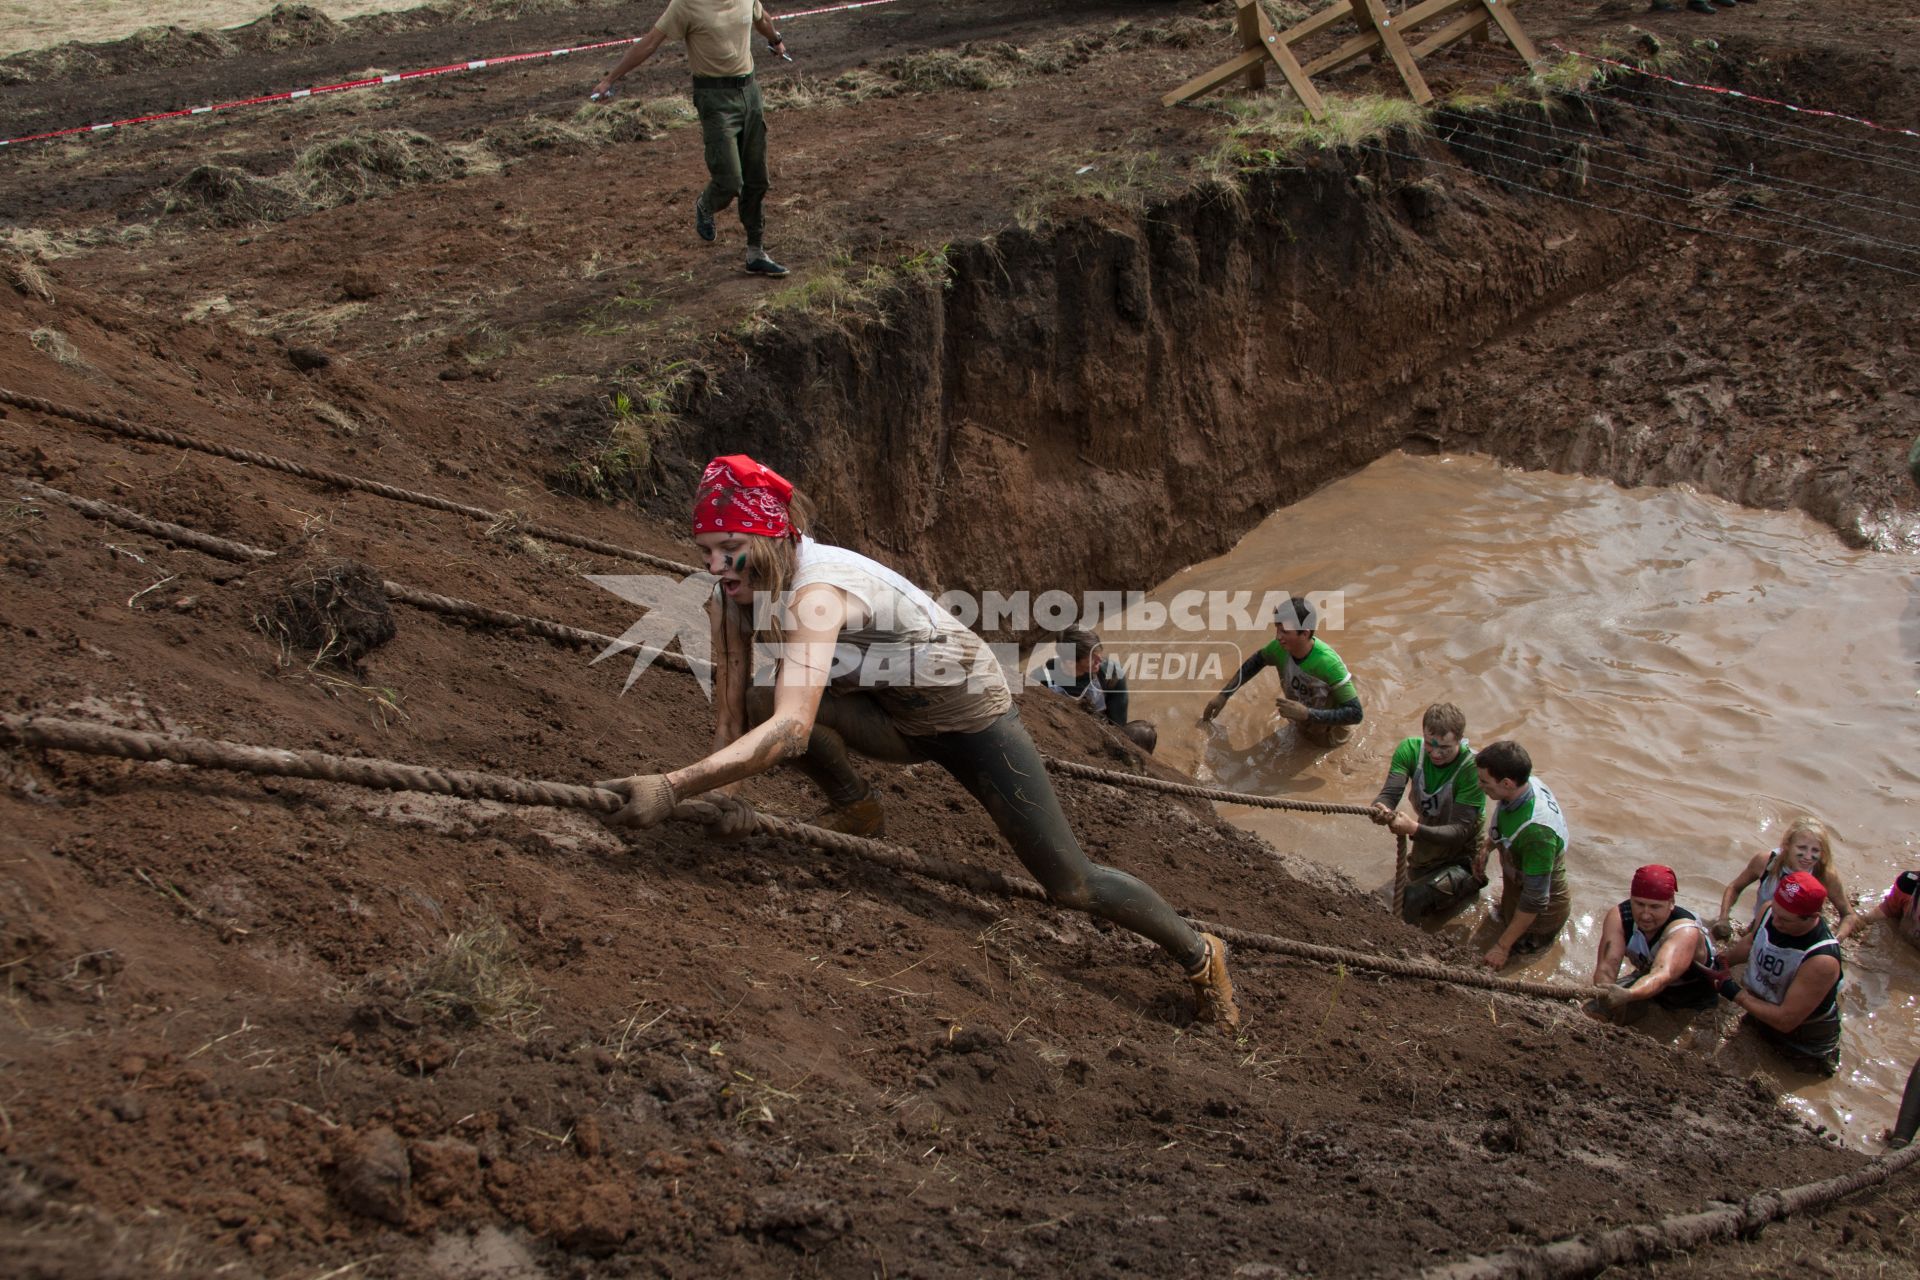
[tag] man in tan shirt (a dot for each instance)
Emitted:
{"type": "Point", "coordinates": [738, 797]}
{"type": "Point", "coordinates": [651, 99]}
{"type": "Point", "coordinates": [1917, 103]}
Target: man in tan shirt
{"type": "Point", "coordinates": [719, 38]}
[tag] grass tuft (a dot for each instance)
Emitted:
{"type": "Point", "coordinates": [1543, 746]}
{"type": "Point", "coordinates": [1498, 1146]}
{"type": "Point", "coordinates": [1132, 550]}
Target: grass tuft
{"type": "Point", "coordinates": [371, 163]}
{"type": "Point", "coordinates": [476, 979]}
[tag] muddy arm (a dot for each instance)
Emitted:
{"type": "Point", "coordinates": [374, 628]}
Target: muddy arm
{"type": "Point", "coordinates": [1670, 964]}
{"type": "Point", "coordinates": [1613, 952]}
{"type": "Point", "coordinates": [806, 660]}
{"type": "Point", "coordinates": [1810, 986]}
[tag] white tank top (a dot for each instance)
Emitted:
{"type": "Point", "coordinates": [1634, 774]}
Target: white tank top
{"type": "Point", "coordinates": [1770, 967]}
{"type": "Point", "coordinates": [928, 672]}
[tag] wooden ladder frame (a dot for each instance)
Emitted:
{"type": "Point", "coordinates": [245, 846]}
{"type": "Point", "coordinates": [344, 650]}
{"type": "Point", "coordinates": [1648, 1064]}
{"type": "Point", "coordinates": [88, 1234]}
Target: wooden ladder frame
{"type": "Point", "coordinates": [1379, 30]}
{"type": "Point", "coordinates": [1259, 45]}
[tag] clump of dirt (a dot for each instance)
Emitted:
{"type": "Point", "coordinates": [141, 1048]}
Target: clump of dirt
{"type": "Point", "coordinates": [27, 276]}
{"type": "Point", "coordinates": [288, 26]}
{"type": "Point", "coordinates": [335, 610]}
{"type": "Point", "coordinates": [373, 163]}
{"type": "Point", "coordinates": [161, 46]}
{"type": "Point", "coordinates": [594, 125]}
{"type": "Point", "coordinates": [475, 978]}
{"type": "Point", "coordinates": [227, 197]}
{"type": "Point", "coordinates": [945, 69]}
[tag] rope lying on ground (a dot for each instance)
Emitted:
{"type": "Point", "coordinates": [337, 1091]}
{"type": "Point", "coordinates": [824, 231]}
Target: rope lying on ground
{"type": "Point", "coordinates": [1075, 770]}
{"type": "Point", "coordinates": [450, 606]}
{"type": "Point", "coordinates": [155, 435]}
{"type": "Point", "coordinates": [52, 733]}
{"type": "Point", "coordinates": [1625, 1246]}
{"type": "Point", "coordinates": [1569, 1258]}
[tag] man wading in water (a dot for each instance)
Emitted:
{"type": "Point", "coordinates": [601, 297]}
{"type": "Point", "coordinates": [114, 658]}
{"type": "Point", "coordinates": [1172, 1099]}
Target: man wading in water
{"type": "Point", "coordinates": [907, 682]}
{"type": "Point", "coordinates": [1530, 834]}
{"type": "Point", "coordinates": [1316, 692]}
{"type": "Point", "coordinates": [1438, 767]}
{"type": "Point", "coordinates": [1791, 986]}
{"type": "Point", "coordinates": [1667, 945]}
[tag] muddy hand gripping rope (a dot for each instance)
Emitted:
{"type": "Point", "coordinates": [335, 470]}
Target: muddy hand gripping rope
{"type": "Point", "coordinates": [402, 77]}
{"type": "Point", "coordinates": [52, 733]}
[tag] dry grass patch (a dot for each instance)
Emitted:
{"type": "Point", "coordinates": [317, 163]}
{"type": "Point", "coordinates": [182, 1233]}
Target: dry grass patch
{"type": "Point", "coordinates": [475, 979]}
{"type": "Point", "coordinates": [26, 275]}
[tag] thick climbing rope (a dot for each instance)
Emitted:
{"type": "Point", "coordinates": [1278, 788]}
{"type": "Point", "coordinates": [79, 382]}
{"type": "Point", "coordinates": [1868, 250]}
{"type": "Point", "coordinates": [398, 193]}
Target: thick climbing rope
{"type": "Point", "coordinates": [1073, 769]}
{"type": "Point", "coordinates": [53, 733]}
{"type": "Point", "coordinates": [1400, 876]}
{"type": "Point", "coordinates": [1627, 1246]}
{"type": "Point", "coordinates": [449, 606]}
{"type": "Point", "coordinates": [323, 475]}
{"type": "Point", "coordinates": [226, 549]}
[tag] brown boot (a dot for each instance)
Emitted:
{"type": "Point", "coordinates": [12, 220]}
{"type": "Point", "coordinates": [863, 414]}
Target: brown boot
{"type": "Point", "coordinates": [864, 817]}
{"type": "Point", "coordinates": [1213, 989]}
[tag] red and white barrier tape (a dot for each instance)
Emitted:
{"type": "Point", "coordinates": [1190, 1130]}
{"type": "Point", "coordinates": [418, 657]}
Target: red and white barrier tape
{"type": "Point", "coordinates": [1724, 91]}
{"type": "Point", "coordinates": [452, 68]}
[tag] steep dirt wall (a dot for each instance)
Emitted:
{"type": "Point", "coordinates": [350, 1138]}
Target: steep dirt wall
{"type": "Point", "coordinates": [1097, 403]}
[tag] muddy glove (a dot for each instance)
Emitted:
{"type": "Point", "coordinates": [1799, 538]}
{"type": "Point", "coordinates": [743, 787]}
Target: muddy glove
{"type": "Point", "coordinates": [1298, 712]}
{"type": "Point", "coordinates": [649, 798]}
{"type": "Point", "coordinates": [1722, 930]}
{"type": "Point", "coordinates": [1215, 707]}
{"type": "Point", "coordinates": [736, 819]}
{"type": "Point", "coordinates": [1380, 814]}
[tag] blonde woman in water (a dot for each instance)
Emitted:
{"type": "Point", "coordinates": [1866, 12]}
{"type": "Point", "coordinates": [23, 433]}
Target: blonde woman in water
{"type": "Point", "coordinates": [1805, 846]}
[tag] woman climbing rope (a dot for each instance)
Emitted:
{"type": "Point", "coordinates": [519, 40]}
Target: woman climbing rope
{"type": "Point", "coordinates": [908, 683]}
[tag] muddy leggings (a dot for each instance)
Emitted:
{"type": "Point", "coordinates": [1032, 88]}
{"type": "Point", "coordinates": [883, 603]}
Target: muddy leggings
{"type": "Point", "coordinates": [1001, 767]}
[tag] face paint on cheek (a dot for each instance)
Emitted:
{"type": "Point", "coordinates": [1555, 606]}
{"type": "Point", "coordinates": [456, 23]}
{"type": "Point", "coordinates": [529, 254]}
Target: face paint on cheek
{"type": "Point", "coordinates": [737, 563]}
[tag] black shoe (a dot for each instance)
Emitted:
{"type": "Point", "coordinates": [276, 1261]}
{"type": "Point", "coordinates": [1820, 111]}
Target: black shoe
{"type": "Point", "coordinates": [1663, 6]}
{"type": "Point", "coordinates": [703, 218]}
{"type": "Point", "coordinates": [1701, 6]}
{"type": "Point", "coordinates": [764, 266]}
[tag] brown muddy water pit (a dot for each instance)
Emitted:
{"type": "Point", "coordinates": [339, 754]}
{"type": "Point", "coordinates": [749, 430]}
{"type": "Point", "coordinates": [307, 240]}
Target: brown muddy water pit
{"type": "Point", "coordinates": [1689, 675]}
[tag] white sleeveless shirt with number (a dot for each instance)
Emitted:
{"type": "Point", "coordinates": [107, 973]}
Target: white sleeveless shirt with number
{"type": "Point", "coordinates": [1546, 813]}
{"type": "Point", "coordinates": [1770, 968]}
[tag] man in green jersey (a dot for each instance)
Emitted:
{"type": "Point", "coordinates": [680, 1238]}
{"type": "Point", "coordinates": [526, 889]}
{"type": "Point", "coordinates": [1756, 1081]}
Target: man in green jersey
{"type": "Point", "coordinates": [1445, 825]}
{"type": "Point", "coordinates": [1316, 692]}
{"type": "Point", "coordinates": [1530, 833]}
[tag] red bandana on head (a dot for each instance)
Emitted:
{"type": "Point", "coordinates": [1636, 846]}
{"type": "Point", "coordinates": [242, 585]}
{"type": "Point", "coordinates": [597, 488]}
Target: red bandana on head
{"type": "Point", "coordinates": [1801, 894]}
{"type": "Point", "coordinates": [1655, 882]}
{"type": "Point", "coordinates": [738, 495]}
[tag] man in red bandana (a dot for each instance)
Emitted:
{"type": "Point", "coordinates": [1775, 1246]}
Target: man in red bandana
{"type": "Point", "coordinates": [909, 684]}
{"type": "Point", "coordinates": [1791, 987]}
{"type": "Point", "coordinates": [1667, 945]}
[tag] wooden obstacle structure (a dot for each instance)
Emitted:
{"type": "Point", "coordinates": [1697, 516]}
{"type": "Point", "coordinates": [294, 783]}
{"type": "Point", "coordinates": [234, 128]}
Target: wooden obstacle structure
{"type": "Point", "coordinates": [1380, 31]}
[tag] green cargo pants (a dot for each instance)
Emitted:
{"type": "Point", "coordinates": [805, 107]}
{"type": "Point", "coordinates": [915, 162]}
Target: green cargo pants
{"type": "Point", "coordinates": [733, 126]}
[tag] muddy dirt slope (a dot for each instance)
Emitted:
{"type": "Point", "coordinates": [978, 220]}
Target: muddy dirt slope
{"type": "Point", "coordinates": [287, 1028]}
